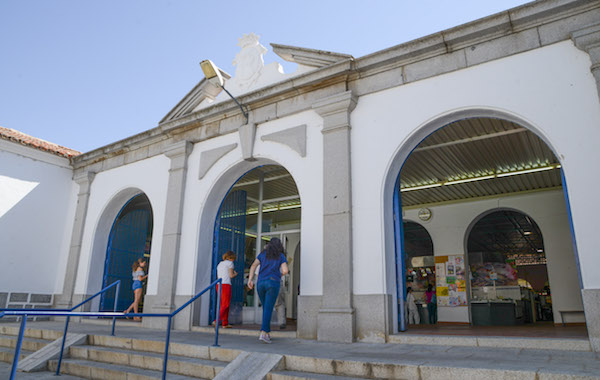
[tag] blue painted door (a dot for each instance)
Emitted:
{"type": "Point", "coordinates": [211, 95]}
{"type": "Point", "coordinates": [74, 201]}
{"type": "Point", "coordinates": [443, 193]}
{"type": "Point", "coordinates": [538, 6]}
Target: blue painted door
{"type": "Point", "coordinates": [126, 244]}
{"type": "Point", "coordinates": [230, 235]}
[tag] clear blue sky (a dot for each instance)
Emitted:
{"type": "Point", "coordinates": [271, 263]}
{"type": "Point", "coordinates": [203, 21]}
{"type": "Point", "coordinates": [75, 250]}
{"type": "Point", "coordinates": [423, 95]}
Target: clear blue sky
{"type": "Point", "coordinates": [84, 74]}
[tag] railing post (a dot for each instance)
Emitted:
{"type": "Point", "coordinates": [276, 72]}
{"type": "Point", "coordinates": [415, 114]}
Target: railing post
{"type": "Point", "coordinates": [62, 347]}
{"type": "Point", "coordinates": [218, 311]}
{"type": "Point", "coordinates": [115, 306]}
{"type": "Point", "coordinates": [166, 359]}
{"type": "Point", "coordinates": [15, 362]}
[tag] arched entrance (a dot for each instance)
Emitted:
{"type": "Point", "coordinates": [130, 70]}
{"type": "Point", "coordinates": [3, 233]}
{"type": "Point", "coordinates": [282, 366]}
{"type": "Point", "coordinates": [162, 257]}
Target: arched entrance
{"type": "Point", "coordinates": [507, 261]}
{"type": "Point", "coordinates": [262, 204]}
{"type": "Point", "coordinates": [465, 166]}
{"type": "Point", "coordinates": [130, 238]}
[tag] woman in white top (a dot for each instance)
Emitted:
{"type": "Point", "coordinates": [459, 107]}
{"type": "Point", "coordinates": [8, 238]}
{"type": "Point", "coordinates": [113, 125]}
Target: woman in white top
{"type": "Point", "coordinates": [138, 276]}
{"type": "Point", "coordinates": [226, 271]}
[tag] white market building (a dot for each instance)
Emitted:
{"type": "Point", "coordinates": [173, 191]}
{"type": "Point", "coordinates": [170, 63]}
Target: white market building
{"type": "Point", "coordinates": [481, 138]}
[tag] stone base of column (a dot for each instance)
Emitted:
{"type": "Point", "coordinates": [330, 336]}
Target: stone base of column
{"type": "Point", "coordinates": [153, 305]}
{"type": "Point", "coordinates": [336, 325]}
{"type": "Point", "coordinates": [591, 306]}
{"type": "Point", "coordinates": [373, 317]}
{"type": "Point", "coordinates": [62, 301]}
{"type": "Point", "coordinates": [308, 312]}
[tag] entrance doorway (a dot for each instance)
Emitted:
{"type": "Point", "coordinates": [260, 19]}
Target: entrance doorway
{"type": "Point", "coordinates": [453, 183]}
{"type": "Point", "coordinates": [264, 203]}
{"type": "Point", "coordinates": [130, 239]}
{"type": "Point", "coordinates": [507, 262]}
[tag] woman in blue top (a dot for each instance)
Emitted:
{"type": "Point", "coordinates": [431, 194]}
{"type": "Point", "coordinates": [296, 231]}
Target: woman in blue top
{"type": "Point", "coordinates": [273, 265]}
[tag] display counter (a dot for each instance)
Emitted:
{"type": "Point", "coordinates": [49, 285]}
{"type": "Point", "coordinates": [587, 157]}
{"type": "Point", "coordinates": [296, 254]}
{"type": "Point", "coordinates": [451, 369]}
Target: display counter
{"type": "Point", "coordinates": [495, 313]}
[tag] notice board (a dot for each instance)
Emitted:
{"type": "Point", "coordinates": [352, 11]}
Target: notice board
{"type": "Point", "coordinates": [450, 278]}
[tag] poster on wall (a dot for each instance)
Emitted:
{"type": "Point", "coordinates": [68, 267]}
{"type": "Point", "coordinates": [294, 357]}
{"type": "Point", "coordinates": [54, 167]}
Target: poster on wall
{"type": "Point", "coordinates": [451, 287]}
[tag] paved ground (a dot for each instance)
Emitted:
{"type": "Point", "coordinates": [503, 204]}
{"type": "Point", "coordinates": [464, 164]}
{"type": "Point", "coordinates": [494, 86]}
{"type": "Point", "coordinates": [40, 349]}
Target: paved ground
{"type": "Point", "coordinates": [553, 361]}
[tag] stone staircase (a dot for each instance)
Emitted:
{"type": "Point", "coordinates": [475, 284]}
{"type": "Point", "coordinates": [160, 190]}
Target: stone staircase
{"type": "Point", "coordinates": [108, 357]}
{"type": "Point", "coordinates": [33, 340]}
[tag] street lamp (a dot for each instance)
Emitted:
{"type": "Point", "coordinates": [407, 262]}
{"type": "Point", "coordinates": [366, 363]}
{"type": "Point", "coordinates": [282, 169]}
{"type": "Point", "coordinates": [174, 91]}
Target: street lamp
{"type": "Point", "coordinates": [213, 75]}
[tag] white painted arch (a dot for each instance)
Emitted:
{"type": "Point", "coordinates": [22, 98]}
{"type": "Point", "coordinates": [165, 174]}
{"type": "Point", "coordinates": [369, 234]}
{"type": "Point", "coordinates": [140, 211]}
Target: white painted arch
{"type": "Point", "coordinates": [404, 150]}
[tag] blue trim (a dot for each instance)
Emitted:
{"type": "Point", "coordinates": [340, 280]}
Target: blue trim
{"type": "Point", "coordinates": [399, 255]}
{"type": "Point", "coordinates": [571, 226]}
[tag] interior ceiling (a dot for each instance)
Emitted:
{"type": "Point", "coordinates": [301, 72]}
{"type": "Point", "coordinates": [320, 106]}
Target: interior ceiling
{"type": "Point", "coordinates": [278, 184]}
{"type": "Point", "coordinates": [473, 148]}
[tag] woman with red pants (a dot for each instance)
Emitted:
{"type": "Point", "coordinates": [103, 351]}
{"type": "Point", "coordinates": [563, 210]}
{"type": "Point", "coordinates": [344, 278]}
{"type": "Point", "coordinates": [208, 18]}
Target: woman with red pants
{"type": "Point", "coordinates": [226, 272]}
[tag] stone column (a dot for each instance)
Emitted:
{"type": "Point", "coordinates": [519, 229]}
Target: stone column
{"type": "Point", "coordinates": [164, 300]}
{"type": "Point", "coordinates": [336, 318]}
{"type": "Point", "coordinates": [84, 180]}
{"type": "Point", "coordinates": [588, 40]}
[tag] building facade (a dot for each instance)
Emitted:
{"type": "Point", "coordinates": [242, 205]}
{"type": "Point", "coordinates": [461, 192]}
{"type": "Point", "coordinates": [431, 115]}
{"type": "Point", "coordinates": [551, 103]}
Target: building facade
{"type": "Point", "coordinates": [344, 129]}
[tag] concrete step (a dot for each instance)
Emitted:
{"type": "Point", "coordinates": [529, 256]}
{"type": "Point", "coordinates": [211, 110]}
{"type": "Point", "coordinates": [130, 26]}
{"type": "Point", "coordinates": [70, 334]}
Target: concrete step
{"type": "Point", "coordinates": [29, 344]}
{"type": "Point", "coordinates": [180, 365]}
{"type": "Point", "coordinates": [31, 333]}
{"type": "Point", "coordinates": [8, 353]}
{"type": "Point", "coordinates": [104, 371]}
{"type": "Point", "coordinates": [244, 332]}
{"type": "Point", "coordinates": [563, 344]}
{"type": "Point", "coordinates": [296, 375]}
{"type": "Point", "coordinates": [158, 346]}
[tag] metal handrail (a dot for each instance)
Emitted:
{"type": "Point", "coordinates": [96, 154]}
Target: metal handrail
{"type": "Point", "coordinates": [54, 312]}
{"type": "Point", "coordinates": [117, 292]}
{"type": "Point", "coordinates": [114, 315]}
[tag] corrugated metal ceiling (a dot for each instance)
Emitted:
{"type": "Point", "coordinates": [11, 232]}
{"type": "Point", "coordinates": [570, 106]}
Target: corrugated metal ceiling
{"type": "Point", "coordinates": [473, 148]}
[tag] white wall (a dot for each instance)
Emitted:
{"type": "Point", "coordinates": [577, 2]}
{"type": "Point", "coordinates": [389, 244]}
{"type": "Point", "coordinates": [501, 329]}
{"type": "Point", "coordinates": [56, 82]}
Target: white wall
{"type": "Point", "coordinates": [204, 196]}
{"type": "Point", "coordinates": [109, 192]}
{"type": "Point", "coordinates": [549, 90]}
{"type": "Point", "coordinates": [450, 225]}
{"type": "Point", "coordinates": [37, 206]}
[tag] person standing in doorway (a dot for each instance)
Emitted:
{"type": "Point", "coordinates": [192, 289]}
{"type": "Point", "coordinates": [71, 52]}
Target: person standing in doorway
{"type": "Point", "coordinates": [273, 265]}
{"type": "Point", "coordinates": [431, 300]}
{"type": "Point", "coordinates": [138, 275]}
{"type": "Point", "coordinates": [226, 271]}
{"type": "Point", "coordinates": [413, 311]}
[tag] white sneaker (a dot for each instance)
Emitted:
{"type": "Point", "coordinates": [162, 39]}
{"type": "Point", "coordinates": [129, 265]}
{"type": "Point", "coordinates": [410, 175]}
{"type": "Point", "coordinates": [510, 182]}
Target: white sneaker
{"type": "Point", "coordinates": [264, 338]}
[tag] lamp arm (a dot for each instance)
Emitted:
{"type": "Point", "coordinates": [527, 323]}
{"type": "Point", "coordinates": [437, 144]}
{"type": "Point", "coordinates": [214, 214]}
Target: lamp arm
{"type": "Point", "coordinates": [242, 108]}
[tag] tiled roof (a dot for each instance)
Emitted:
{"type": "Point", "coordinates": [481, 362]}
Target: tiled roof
{"type": "Point", "coordinates": [24, 139]}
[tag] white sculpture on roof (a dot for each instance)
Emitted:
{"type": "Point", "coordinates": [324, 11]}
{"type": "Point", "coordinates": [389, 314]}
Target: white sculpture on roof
{"type": "Point", "coordinates": [252, 74]}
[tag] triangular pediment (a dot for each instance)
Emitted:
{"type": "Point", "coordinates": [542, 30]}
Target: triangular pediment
{"type": "Point", "coordinates": [251, 74]}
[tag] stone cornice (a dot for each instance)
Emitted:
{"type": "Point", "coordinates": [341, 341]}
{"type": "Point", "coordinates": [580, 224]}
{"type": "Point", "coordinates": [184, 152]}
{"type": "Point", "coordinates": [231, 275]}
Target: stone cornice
{"type": "Point", "coordinates": [535, 24]}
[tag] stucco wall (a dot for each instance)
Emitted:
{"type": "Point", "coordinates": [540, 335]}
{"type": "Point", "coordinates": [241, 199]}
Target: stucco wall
{"type": "Point", "coordinates": [549, 90]}
{"type": "Point", "coordinates": [110, 190]}
{"type": "Point", "coordinates": [204, 196]}
{"type": "Point", "coordinates": [37, 200]}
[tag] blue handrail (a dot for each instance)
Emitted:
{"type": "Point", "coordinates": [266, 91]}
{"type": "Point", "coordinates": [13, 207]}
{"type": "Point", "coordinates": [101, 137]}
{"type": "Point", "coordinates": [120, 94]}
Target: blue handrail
{"type": "Point", "coordinates": [114, 315]}
{"type": "Point", "coordinates": [55, 312]}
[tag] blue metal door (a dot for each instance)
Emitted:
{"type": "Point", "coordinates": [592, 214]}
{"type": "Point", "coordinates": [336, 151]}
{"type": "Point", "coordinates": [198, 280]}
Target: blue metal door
{"type": "Point", "coordinates": [126, 244]}
{"type": "Point", "coordinates": [230, 235]}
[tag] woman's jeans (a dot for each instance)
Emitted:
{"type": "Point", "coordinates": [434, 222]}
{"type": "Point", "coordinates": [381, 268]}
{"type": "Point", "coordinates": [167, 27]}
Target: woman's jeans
{"type": "Point", "coordinates": [267, 292]}
{"type": "Point", "coordinates": [432, 311]}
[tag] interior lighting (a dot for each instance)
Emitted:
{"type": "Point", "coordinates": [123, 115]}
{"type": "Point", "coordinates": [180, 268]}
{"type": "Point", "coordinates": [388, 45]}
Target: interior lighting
{"type": "Point", "coordinates": [540, 250]}
{"type": "Point", "coordinates": [482, 178]}
{"type": "Point", "coordinates": [527, 233]}
{"type": "Point", "coordinates": [421, 187]}
{"type": "Point", "coordinates": [469, 180]}
{"type": "Point", "coordinates": [518, 172]}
